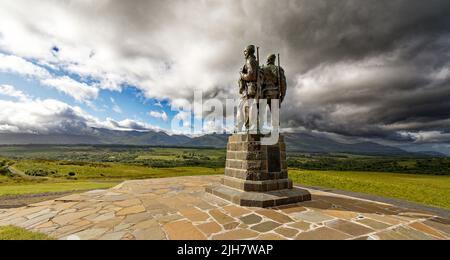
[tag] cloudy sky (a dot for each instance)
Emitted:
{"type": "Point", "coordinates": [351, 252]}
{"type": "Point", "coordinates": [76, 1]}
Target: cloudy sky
{"type": "Point", "coordinates": [357, 69]}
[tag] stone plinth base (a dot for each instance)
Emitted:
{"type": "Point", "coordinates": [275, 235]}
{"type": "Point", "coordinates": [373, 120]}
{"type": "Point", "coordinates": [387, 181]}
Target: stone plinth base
{"type": "Point", "coordinates": [256, 175]}
{"type": "Point", "coordinates": [260, 199]}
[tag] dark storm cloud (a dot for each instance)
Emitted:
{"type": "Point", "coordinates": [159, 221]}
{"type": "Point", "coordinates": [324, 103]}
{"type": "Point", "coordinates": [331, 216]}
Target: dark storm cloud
{"type": "Point", "coordinates": [395, 59]}
{"type": "Point", "coordinates": [324, 31]}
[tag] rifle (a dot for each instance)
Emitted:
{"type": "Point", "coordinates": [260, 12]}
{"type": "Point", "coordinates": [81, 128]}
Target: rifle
{"type": "Point", "coordinates": [258, 90]}
{"type": "Point", "coordinates": [279, 79]}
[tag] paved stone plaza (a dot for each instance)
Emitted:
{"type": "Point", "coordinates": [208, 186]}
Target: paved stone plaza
{"type": "Point", "coordinates": [180, 209]}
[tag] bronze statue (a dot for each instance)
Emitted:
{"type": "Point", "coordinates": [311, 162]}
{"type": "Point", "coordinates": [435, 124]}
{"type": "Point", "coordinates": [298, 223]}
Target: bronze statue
{"type": "Point", "coordinates": [274, 85]}
{"type": "Point", "coordinates": [249, 73]}
{"type": "Point", "coordinates": [255, 83]}
{"type": "Point", "coordinates": [256, 172]}
{"type": "Point", "coordinates": [248, 87]}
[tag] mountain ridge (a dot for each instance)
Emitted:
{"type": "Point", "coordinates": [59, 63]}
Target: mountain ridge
{"type": "Point", "coordinates": [296, 142]}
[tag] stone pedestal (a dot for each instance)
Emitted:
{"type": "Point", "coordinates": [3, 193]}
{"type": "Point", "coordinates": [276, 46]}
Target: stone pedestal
{"type": "Point", "coordinates": [256, 175]}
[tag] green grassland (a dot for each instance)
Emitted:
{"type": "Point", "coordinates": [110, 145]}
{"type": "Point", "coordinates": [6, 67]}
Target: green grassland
{"type": "Point", "coordinates": [135, 155]}
{"type": "Point", "coordinates": [48, 169]}
{"type": "Point", "coordinates": [345, 162]}
{"type": "Point", "coordinates": [63, 176]}
{"type": "Point", "coordinates": [107, 171]}
{"type": "Point", "coordinates": [51, 187]}
{"type": "Point", "coordinates": [424, 189]}
{"type": "Point", "coordinates": [15, 233]}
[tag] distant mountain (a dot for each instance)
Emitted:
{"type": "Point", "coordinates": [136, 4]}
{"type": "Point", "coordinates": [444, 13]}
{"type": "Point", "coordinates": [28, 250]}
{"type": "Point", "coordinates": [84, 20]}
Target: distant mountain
{"type": "Point", "coordinates": [439, 150]}
{"type": "Point", "coordinates": [155, 138]}
{"type": "Point", "coordinates": [213, 140]}
{"type": "Point", "coordinates": [96, 137]}
{"type": "Point", "coordinates": [296, 142]}
{"type": "Point", "coordinates": [431, 153]}
{"type": "Point", "coordinates": [22, 139]}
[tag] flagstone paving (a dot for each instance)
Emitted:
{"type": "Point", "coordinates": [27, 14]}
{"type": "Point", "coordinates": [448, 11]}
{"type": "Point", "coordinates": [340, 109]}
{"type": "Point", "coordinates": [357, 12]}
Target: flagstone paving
{"type": "Point", "coordinates": [178, 208]}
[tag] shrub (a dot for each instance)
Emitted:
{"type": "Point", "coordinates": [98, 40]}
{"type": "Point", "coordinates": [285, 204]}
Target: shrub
{"type": "Point", "coordinates": [4, 170]}
{"type": "Point", "coordinates": [37, 173]}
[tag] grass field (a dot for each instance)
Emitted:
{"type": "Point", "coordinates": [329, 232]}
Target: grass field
{"type": "Point", "coordinates": [141, 156]}
{"type": "Point", "coordinates": [88, 176]}
{"type": "Point", "coordinates": [424, 189]}
{"type": "Point", "coordinates": [109, 171]}
{"type": "Point", "coordinates": [15, 233]}
{"type": "Point", "coordinates": [51, 187]}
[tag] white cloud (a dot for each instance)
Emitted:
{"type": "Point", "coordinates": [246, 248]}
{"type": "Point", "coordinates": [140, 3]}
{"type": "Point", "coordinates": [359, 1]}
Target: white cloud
{"type": "Point", "coordinates": [41, 116]}
{"type": "Point", "coordinates": [9, 129]}
{"type": "Point", "coordinates": [185, 118]}
{"type": "Point", "coordinates": [127, 125]}
{"type": "Point", "coordinates": [53, 116]}
{"type": "Point", "coordinates": [180, 104]}
{"type": "Point", "coordinates": [161, 115]}
{"type": "Point", "coordinates": [17, 65]}
{"type": "Point", "coordinates": [116, 108]}
{"type": "Point", "coordinates": [79, 91]}
{"type": "Point", "coordinates": [10, 91]}
{"type": "Point", "coordinates": [158, 57]}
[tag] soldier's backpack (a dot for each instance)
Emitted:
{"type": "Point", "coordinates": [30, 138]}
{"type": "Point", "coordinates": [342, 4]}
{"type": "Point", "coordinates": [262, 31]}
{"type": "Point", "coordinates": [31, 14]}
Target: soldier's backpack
{"type": "Point", "coordinates": [271, 86]}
